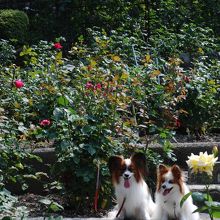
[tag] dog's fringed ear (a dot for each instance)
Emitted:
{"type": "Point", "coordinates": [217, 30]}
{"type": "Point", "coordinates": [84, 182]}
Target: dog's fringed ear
{"type": "Point", "coordinates": [114, 163]}
{"type": "Point", "coordinates": [177, 172]}
{"type": "Point", "coordinates": [162, 169]}
{"type": "Point", "coordinates": [140, 162]}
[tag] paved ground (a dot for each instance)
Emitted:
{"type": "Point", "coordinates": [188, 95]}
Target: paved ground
{"type": "Point", "coordinates": [202, 217]}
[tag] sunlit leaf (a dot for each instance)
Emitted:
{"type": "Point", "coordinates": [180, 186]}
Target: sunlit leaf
{"type": "Point", "coordinates": [147, 59]}
{"type": "Point", "coordinates": [116, 58]}
{"type": "Point", "coordinates": [17, 105]}
{"type": "Point", "coordinates": [93, 63]}
{"type": "Point", "coordinates": [63, 101]}
{"type": "Point", "coordinates": [45, 201]}
{"type": "Point", "coordinates": [155, 73]}
{"type": "Point", "coordinates": [124, 76]}
{"type": "Point", "coordinates": [19, 165]}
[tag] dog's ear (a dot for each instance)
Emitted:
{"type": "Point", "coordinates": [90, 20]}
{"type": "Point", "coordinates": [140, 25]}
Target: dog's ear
{"type": "Point", "coordinates": [114, 163]}
{"type": "Point", "coordinates": [162, 169]}
{"type": "Point", "coordinates": [140, 162]}
{"type": "Point", "coordinates": [177, 172]}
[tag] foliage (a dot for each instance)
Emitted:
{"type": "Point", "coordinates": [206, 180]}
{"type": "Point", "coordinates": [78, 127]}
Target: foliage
{"type": "Point", "coordinates": [8, 207]}
{"type": "Point", "coordinates": [207, 204]}
{"type": "Point", "coordinates": [13, 25]}
{"type": "Point", "coordinates": [7, 53]}
{"type": "Point", "coordinates": [14, 167]}
{"type": "Point", "coordinates": [51, 205]}
{"type": "Point", "coordinates": [202, 101]}
{"type": "Point", "coordinates": [112, 93]}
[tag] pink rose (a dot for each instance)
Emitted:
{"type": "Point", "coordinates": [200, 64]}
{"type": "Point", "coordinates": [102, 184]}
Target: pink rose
{"type": "Point", "coordinates": [19, 84]}
{"type": "Point", "coordinates": [45, 122]}
{"type": "Point", "coordinates": [89, 85]}
{"type": "Point", "coordinates": [58, 45]}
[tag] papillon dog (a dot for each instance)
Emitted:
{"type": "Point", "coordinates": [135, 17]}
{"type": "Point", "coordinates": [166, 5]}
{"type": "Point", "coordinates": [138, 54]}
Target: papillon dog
{"type": "Point", "coordinates": [171, 188]}
{"type": "Point", "coordinates": [132, 193]}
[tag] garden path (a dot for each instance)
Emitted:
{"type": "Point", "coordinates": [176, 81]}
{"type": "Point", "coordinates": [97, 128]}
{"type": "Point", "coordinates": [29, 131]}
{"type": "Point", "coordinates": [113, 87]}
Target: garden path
{"type": "Point", "coordinates": [202, 217]}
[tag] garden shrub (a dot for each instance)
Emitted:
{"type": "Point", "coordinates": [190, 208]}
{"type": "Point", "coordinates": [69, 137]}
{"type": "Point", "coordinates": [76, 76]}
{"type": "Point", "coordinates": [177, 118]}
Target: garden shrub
{"type": "Point", "coordinates": [201, 106]}
{"type": "Point", "coordinates": [14, 25]}
{"type": "Point", "coordinates": [15, 165]}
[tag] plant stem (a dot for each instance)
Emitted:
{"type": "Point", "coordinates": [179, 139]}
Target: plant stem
{"type": "Point", "coordinates": [208, 196]}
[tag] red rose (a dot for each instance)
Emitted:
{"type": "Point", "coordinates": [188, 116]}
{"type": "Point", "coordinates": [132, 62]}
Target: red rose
{"type": "Point", "coordinates": [19, 84]}
{"type": "Point", "coordinates": [58, 45]}
{"type": "Point", "coordinates": [45, 122]}
{"type": "Point", "coordinates": [98, 86]}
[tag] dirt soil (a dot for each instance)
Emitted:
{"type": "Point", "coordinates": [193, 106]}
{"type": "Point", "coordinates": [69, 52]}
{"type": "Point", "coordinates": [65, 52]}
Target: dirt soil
{"type": "Point", "coordinates": [36, 208]}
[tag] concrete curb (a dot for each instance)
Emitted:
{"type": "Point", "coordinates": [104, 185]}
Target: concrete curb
{"type": "Point", "coordinates": [202, 217]}
{"type": "Point", "coordinates": [182, 151]}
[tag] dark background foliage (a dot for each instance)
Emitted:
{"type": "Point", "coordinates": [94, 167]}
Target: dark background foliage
{"type": "Point", "coordinates": [71, 18]}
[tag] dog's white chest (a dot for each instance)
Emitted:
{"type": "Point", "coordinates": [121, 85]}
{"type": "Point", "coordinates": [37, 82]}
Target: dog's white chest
{"type": "Point", "coordinates": [136, 197]}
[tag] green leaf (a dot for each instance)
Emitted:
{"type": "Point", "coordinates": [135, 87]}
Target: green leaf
{"type": "Point", "coordinates": [30, 176]}
{"type": "Point", "coordinates": [216, 214]}
{"type": "Point", "coordinates": [55, 207]}
{"type": "Point", "coordinates": [58, 113]}
{"type": "Point", "coordinates": [20, 166]}
{"type": "Point", "coordinates": [208, 197]}
{"type": "Point", "coordinates": [39, 175]}
{"type": "Point", "coordinates": [45, 201]}
{"type": "Point", "coordinates": [201, 209]}
{"type": "Point", "coordinates": [63, 101]}
{"type": "Point", "coordinates": [213, 205]}
{"type": "Point", "coordinates": [88, 129]}
{"type": "Point", "coordinates": [7, 218]}
{"type": "Point", "coordinates": [32, 156]}
{"type": "Point", "coordinates": [185, 197]}
{"type": "Point", "coordinates": [24, 186]}
{"type": "Point", "coordinates": [91, 149]}
{"type": "Point", "coordinates": [198, 197]}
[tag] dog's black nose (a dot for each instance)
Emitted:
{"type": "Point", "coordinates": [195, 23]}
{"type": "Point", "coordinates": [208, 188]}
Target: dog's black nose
{"type": "Point", "coordinates": [126, 175]}
{"type": "Point", "coordinates": [163, 186]}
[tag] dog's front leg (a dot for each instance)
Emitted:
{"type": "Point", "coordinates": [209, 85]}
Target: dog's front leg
{"type": "Point", "coordinates": [142, 214]}
{"type": "Point", "coordinates": [182, 217]}
{"type": "Point", "coordinates": [159, 214]}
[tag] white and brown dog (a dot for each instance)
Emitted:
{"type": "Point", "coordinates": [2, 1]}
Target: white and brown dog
{"type": "Point", "coordinates": [170, 190]}
{"type": "Point", "coordinates": [130, 187]}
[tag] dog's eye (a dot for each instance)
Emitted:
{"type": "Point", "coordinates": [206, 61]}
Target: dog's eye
{"type": "Point", "coordinates": [170, 181]}
{"type": "Point", "coordinates": [122, 170]}
{"type": "Point", "coordinates": [130, 169]}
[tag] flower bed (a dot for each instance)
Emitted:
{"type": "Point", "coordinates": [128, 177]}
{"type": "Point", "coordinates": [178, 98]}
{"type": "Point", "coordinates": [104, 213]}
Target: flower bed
{"type": "Point", "coordinates": [102, 99]}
